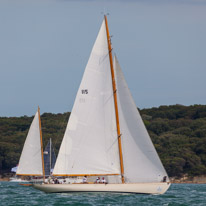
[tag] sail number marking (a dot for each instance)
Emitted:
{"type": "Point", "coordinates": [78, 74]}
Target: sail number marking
{"type": "Point", "coordinates": [84, 91]}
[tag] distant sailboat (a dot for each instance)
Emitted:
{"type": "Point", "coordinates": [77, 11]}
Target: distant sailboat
{"type": "Point", "coordinates": [16, 178]}
{"type": "Point", "coordinates": [49, 158]}
{"type": "Point", "coordinates": [14, 169]}
{"type": "Point", "coordinates": [31, 161]}
{"type": "Point", "coordinates": [105, 135]}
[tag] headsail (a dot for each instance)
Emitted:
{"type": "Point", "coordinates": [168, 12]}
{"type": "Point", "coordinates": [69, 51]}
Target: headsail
{"type": "Point", "coordinates": [90, 142]}
{"type": "Point", "coordinates": [31, 157]}
{"type": "Point", "coordinates": [141, 161]}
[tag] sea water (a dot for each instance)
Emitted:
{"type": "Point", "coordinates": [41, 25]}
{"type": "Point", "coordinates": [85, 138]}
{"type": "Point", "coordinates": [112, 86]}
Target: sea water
{"type": "Point", "coordinates": [178, 194]}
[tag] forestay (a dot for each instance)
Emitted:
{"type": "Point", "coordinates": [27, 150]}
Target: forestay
{"type": "Point", "coordinates": [141, 161]}
{"type": "Point", "coordinates": [90, 142]}
{"type": "Point", "coordinates": [30, 162]}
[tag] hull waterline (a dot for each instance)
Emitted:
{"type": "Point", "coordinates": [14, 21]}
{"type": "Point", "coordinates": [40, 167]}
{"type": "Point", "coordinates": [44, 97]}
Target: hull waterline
{"type": "Point", "coordinates": [140, 188]}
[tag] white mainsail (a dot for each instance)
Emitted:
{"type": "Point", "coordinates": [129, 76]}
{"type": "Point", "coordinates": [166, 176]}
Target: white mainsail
{"type": "Point", "coordinates": [90, 143]}
{"type": "Point", "coordinates": [31, 157]}
{"type": "Point", "coordinates": [141, 161]}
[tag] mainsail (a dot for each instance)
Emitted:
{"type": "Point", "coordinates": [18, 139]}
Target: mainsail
{"type": "Point", "coordinates": [31, 157]}
{"type": "Point", "coordinates": [90, 143]}
{"type": "Point", "coordinates": [141, 161]}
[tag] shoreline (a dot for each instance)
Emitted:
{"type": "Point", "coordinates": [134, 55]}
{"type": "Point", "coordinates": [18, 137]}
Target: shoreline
{"type": "Point", "coordinates": [189, 180]}
{"type": "Point", "coordinates": [4, 179]}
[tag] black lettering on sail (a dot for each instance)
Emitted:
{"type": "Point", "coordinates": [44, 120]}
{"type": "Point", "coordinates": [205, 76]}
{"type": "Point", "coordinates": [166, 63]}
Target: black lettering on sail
{"type": "Point", "coordinates": [84, 91]}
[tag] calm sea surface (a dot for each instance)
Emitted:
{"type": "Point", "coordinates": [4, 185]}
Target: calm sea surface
{"type": "Point", "coordinates": [178, 194]}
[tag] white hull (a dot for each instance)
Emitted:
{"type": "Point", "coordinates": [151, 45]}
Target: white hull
{"type": "Point", "coordinates": [141, 188]}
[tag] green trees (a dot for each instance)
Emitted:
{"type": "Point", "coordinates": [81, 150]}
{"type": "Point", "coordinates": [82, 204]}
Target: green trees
{"type": "Point", "coordinates": [178, 133]}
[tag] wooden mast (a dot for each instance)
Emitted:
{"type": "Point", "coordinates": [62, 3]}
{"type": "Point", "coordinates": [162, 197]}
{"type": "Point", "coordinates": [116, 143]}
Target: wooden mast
{"type": "Point", "coordinates": [50, 156]}
{"type": "Point", "coordinates": [115, 99]}
{"type": "Point", "coordinates": [42, 156]}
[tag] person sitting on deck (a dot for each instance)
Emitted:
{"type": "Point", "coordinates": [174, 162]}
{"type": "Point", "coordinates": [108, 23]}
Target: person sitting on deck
{"type": "Point", "coordinates": [164, 179]}
{"type": "Point", "coordinates": [56, 181]}
{"type": "Point", "coordinates": [49, 180]}
{"type": "Point", "coordinates": [103, 180]}
{"type": "Point", "coordinates": [84, 179]}
{"type": "Point", "coordinates": [98, 180]}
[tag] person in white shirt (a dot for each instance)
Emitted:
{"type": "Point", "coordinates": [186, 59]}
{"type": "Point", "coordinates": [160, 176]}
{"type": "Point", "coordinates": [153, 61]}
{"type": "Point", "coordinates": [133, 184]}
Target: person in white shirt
{"type": "Point", "coordinates": [103, 180]}
{"type": "Point", "coordinates": [98, 180]}
{"type": "Point", "coordinates": [84, 179]}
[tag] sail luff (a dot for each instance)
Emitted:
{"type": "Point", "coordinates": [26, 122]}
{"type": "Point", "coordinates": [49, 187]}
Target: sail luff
{"type": "Point", "coordinates": [42, 156]}
{"type": "Point", "coordinates": [115, 100]}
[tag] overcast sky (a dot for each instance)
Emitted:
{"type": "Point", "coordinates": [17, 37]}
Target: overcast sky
{"type": "Point", "coordinates": [45, 46]}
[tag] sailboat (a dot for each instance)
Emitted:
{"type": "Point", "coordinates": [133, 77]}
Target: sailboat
{"type": "Point", "coordinates": [15, 178]}
{"type": "Point", "coordinates": [49, 158]}
{"type": "Point", "coordinates": [49, 162]}
{"type": "Point", "coordinates": [31, 161]}
{"type": "Point", "coordinates": [105, 135]}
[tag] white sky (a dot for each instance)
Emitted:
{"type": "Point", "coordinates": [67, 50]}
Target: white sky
{"type": "Point", "coordinates": [45, 46]}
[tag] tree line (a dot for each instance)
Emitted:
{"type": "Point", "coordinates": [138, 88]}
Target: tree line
{"type": "Point", "coordinates": [178, 133]}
